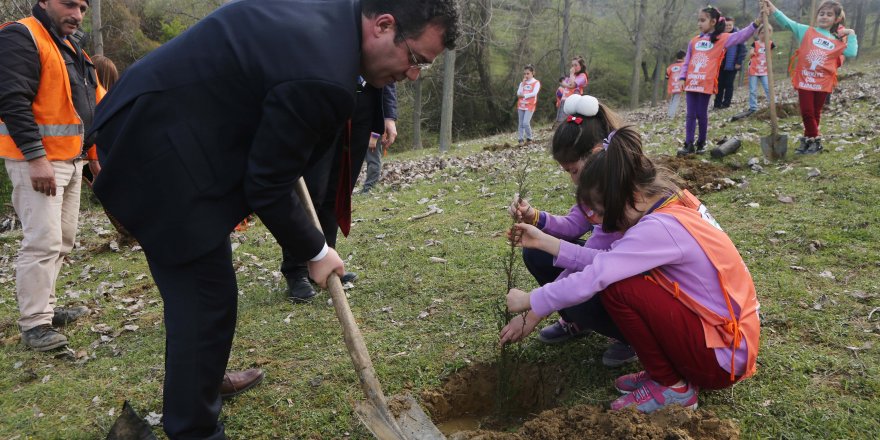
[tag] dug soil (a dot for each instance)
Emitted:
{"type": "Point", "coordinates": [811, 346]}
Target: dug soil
{"type": "Point", "coordinates": [471, 394]}
{"type": "Point", "coordinates": [698, 176]}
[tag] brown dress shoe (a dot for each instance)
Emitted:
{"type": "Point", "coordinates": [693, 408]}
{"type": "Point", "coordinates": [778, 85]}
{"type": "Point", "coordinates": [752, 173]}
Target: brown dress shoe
{"type": "Point", "coordinates": [237, 382]}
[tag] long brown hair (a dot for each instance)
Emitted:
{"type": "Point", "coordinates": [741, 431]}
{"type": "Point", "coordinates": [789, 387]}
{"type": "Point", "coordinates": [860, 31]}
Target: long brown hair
{"type": "Point", "coordinates": [106, 70]}
{"type": "Point", "coordinates": [612, 176]}
{"type": "Point", "coordinates": [581, 63]}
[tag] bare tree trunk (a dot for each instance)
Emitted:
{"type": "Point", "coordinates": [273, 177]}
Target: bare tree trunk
{"type": "Point", "coordinates": [876, 30]}
{"type": "Point", "coordinates": [640, 32]}
{"type": "Point", "coordinates": [861, 19]}
{"type": "Point", "coordinates": [97, 33]}
{"type": "Point", "coordinates": [417, 114]}
{"type": "Point", "coordinates": [566, 23]}
{"type": "Point", "coordinates": [446, 110]}
{"type": "Point", "coordinates": [659, 85]}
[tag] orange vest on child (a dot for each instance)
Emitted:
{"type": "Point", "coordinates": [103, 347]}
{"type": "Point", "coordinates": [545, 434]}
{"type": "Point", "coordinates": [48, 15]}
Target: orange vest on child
{"type": "Point", "coordinates": [758, 62]}
{"type": "Point", "coordinates": [733, 276]}
{"type": "Point", "coordinates": [706, 59]}
{"type": "Point", "coordinates": [60, 126]}
{"type": "Point", "coordinates": [673, 72]}
{"type": "Point", "coordinates": [529, 103]}
{"type": "Point", "coordinates": [818, 60]}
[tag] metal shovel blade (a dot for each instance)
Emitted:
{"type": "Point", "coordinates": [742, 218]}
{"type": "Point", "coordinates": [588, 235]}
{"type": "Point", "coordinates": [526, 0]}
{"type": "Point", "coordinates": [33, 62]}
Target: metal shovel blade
{"type": "Point", "coordinates": [408, 416]}
{"type": "Point", "coordinates": [774, 147]}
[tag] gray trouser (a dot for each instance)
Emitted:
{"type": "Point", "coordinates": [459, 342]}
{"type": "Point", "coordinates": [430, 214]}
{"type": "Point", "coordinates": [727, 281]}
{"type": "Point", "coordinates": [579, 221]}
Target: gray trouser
{"type": "Point", "coordinates": [673, 105]}
{"type": "Point", "coordinates": [374, 166]}
{"type": "Point", "coordinates": [525, 124]}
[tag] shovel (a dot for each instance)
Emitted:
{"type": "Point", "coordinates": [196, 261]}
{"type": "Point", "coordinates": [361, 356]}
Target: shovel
{"type": "Point", "coordinates": [774, 146]}
{"type": "Point", "coordinates": [409, 421]}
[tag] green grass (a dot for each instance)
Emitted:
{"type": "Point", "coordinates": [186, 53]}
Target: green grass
{"type": "Point", "coordinates": [809, 383]}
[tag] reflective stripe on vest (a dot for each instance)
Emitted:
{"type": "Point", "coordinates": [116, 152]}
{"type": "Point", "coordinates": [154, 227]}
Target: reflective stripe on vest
{"type": "Point", "coordinates": [51, 130]}
{"type": "Point", "coordinates": [706, 59]}
{"type": "Point", "coordinates": [733, 277]}
{"type": "Point", "coordinates": [818, 58]}
{"type": "Point", "coordinates": [60, 126]}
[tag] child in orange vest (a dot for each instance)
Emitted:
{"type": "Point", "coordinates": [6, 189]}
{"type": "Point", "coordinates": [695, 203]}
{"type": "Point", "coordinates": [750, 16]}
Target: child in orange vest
{"type": "Point", "coordinates": [588, 122]}
{"type": "Point", "coordinates": [818, 58]}
{"type": "Point", "coordinates": [527, 102]}
{"type": "Point", "coordinates": [673, 86]}
{"type": "Point", "coordinates": [674, 284]}
{"type": "Point", "coordinates": [758, 69]}
{"type": "Point", "coordinates": [705, 54]}
{"type": "Point", "coordinates": [562, 93]}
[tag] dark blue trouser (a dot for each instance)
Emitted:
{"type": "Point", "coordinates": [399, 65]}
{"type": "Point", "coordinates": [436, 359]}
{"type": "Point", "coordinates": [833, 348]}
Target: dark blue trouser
{"type": "Point", "coordinates": [201, 304]}
{"type": "Point", "coordinates": [587, 315]}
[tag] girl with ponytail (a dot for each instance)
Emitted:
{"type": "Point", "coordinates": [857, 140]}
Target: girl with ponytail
{"type": "Point", "coordinates": [587, 122]}
{"type": "Point", "coordinates": [821, 52]}
{"type": "Point", "coordinates": [699, 78]}
{"type": "Point", "coordinates": [674, 284]}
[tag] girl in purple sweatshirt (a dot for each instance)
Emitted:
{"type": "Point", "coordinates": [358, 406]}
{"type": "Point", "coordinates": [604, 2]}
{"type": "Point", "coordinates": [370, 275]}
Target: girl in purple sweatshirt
{"type": "Point", "coordinates": [699, 78]}
{"type": "Point", "coordinates": [674, 284]}
{"type": "Point", "coordinates": [586, 124]}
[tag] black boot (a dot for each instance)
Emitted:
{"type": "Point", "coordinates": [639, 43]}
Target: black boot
{"type": "Point", "coordinates": [802, 147]}
{"type": "Point", "coordinates": [299, 289]}
{"type": "Point", "coordinates": [814, 146]}
{"type": "Point", "coordinates": [686, 150]}
{"type": "Point", "coordinates": [701, 147]}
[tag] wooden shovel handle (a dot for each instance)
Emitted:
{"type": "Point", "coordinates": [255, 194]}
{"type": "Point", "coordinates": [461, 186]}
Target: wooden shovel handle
{"type": "Point", "coordinates": [354, 340]}
{"type": "Point", "coordinates": [768, 52]}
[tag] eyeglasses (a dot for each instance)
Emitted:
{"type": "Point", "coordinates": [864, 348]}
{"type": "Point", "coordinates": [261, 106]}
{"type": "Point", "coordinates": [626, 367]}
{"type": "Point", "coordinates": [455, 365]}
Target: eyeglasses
{"type": "Point", "coordinates": [414, 59]}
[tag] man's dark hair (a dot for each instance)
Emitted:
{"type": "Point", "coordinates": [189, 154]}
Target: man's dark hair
{"type": "Point", "coordinates": [413, 16]}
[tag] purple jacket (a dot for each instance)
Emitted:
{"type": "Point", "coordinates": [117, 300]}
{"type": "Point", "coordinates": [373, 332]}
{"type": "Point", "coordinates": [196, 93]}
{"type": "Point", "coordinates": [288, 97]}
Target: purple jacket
{"type": "Point", "coordinates": [572, 227]}
{"type": "Point", "coordinates": [735, 38]}
{"type": "Point", "coordinates": [657, 241]}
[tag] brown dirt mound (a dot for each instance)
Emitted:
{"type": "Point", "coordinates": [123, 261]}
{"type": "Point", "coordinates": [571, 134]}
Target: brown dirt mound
{"type": "Point", "coordinates": [585, 421]}
{"type": "Point", "coordinates": [783, 110]}
{"type": "Point", "coordinates": [699, 177]}
{"type": "Point", "coordinates": [467, 401]}
{"type": "Point", "coordinates": [498, 147]}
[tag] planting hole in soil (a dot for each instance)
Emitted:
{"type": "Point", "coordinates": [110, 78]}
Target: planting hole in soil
{"type": "Point", "coordinates": [465, 408]}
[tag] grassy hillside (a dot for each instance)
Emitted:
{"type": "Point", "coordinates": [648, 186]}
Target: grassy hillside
{"type": "Point", "coordinates": [811, 244]}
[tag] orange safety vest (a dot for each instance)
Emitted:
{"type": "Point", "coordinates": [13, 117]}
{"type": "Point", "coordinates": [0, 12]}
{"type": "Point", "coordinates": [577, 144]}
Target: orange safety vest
{"type": "Point", "coordinates": [817, 61]}
{"type": "Point", "coordinates": [60, 126]}
{"type": "Point", "coordinates": [733, 276]}
{"type": "Point", "coordinates": [529, 104]}
{"type": "Point", "coordinates": [673, 72]}
{"type": "Point", "coordinates": [758, 62]}
{"type": "Point", "coordinates": [706, 59]}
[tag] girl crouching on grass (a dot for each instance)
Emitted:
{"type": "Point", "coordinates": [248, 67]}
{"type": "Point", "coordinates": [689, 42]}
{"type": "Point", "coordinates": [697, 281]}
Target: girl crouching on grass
{"type": "Point", "coordinates": [674, 284]}
{"type": "Point", "coordinates": [586, 124]}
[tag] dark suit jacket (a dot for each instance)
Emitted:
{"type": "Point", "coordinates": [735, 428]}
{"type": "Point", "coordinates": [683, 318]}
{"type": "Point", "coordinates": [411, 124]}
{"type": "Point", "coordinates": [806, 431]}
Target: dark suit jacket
{"type": "Point", "coordinates": [222, 120]}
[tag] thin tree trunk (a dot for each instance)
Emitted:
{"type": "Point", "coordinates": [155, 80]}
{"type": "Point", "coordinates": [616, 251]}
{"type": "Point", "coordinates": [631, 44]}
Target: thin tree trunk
{"type": "Point", "coordinates": [97, 34]}
{"type": "Point", "coordinates": [659, 86]}
{"type": "Point", "coordinates": [876, 30]}
{"type": "Point", "coordinates": [566, 24]}
{"type": "Point", "coordinates": [640, 26]}
{"type": "Point", "coordinates": [417, 114]}
{"type": "Point", "coordinates": [446, 110]}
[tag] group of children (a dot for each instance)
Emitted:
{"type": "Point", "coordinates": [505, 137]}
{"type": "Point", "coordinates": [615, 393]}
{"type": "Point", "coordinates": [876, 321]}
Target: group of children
{"type": "Point", "coordinates": [657, 274]}
{"type": "Point", "coordinates": [527, 95]}
{"type": "Point", "coordinates": [820, 53]}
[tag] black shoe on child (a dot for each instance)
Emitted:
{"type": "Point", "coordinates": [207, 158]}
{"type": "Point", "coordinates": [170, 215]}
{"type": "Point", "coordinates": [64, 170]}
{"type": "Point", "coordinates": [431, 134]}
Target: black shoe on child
{"type": "Point", "coordinates": [700, 147]}
{"type": "Point", "coordinates": [686, 150]}
{"type": "Point", "coordinates": [802, 146]}
{"type": "Point", "coordinates": [814, 146]}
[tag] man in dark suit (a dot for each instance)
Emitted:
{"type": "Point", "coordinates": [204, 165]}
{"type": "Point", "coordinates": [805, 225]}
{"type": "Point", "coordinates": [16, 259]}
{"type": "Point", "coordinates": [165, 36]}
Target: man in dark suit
{"type": "Point", "coordinates": [220, 122]}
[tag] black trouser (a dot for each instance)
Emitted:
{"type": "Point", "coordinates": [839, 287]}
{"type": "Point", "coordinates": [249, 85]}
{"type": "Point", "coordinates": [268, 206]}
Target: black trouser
{"type": "Point", "coordinates": [201, 301]}
{"type": "Point", "coordinates": [323, 179]}
{"type": "Point", "coordinates": [587, 315]}
{"type": "Point", "coordinates": [726, 78]}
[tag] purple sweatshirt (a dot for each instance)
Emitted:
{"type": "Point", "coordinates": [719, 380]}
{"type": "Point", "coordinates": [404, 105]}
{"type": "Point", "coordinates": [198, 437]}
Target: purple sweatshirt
{"type": "Point", "coordinates": [571, 227]}
{"type": "Point", "coordinates": [657, 241]}
{"type": "Point", "coordinates": [735, 38]}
